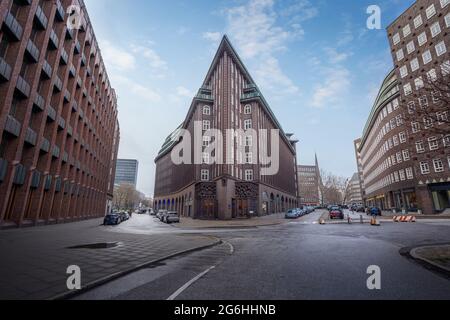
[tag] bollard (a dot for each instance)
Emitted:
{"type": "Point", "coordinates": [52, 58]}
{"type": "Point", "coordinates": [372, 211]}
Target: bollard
{"type": "Point", "coordinates": [361, 219]}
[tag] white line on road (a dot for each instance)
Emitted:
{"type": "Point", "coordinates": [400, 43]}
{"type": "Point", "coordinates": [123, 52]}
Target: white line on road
{"type": "Point", "coordinates": [231, 247]}
{"type": "Point", "coordinates": [188, 284]}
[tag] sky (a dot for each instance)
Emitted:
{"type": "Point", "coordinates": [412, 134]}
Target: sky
{"type": "Point", "coordinates": [316, 62]}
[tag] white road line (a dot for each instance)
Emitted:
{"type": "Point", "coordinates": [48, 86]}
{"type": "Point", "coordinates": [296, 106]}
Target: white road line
{"type": "Point", "coordinates": [188, 284]}
{"type": "Point", "coordinates": [231, 247]}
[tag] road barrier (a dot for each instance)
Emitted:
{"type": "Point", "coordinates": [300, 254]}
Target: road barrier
{"type": "Point", "coordinates": [404, 219]}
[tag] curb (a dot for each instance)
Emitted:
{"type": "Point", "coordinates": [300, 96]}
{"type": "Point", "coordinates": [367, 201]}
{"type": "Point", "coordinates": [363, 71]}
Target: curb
{"type": "Point", "coordinates": [114, 276]}
{"type": "Point", "coordinates": [228, 227]}
{"type": "Point", "coordinates": [411, 253]}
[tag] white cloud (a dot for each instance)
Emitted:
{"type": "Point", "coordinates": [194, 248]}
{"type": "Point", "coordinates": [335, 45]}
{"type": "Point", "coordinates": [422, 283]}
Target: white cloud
{"type": "Point", "coordinates": [271, 77]}
{"type": "Point", "coordinates": [335, 56]}
{"type": "Point", "coordinates": [154, 60]}
{"type": "Point", "coordinates": [143, 92]}
{"type": "Point", "coordinates": [212, 36]}
{"type": "Point", "coordinates": [335, 85]}
{"type": "Point", "coordinates": [117, 58]}
{"type": "Point", "coordinates": [184, 92]}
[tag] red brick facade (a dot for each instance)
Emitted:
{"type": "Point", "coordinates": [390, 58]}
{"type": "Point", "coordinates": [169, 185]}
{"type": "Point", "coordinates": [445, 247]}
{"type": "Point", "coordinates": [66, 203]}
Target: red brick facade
{"type": "Point", "coordinates": [58, 117]}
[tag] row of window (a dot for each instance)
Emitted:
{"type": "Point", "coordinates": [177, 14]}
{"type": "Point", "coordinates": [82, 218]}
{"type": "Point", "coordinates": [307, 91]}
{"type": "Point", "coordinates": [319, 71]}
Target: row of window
{"type": "Point", "coordinates": [433, 144]}
{"type": "Point", "coordinates": [207, 110]}
{"type": "Point", "coordinates": [427, 58]}
{"type": "Point", "coordinates": [398, 158]}
{"type": "Point", "coordinates": [418, 21]}
{"type": "Point", "coordinates": [395, 177]}
{"type": "Point", "coordinates": [438, 166]}
{"type": "Point", "coordinates": [206, 124]}
{"type": "Point", "coordinates": [431, 75]}
{"type": "Point", "coordinates": [205, 175]}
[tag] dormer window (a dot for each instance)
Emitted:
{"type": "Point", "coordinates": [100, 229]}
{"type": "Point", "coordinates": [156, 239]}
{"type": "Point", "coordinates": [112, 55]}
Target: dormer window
{"type": "Point", "coordinates": [207, 110]}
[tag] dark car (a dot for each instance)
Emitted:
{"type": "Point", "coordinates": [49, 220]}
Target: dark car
{"type": "Point", "coordinates": [112, 219]}
{"type": "Point", "coordinates": [374, 211]}
{"type": "Point", "coordinates": [360, 209]}
{"type": "Point", "coordinates": [336, 213]}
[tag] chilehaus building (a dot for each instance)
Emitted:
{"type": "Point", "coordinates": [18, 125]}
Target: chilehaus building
{"type": "Point", "coordinates": [223, 174]}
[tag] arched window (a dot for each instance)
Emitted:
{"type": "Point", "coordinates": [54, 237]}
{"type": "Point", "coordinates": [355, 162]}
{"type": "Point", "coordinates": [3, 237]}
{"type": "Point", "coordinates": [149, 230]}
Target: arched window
{"type": "Point", "coordinates": [207, 110]}
{"type": "Point", "coordinates": [248, 109]}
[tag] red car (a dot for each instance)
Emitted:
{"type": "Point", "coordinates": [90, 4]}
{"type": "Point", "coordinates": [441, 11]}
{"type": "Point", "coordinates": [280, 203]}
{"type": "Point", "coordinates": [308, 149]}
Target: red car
{"type": "Point", "coordinates": [336, 213]}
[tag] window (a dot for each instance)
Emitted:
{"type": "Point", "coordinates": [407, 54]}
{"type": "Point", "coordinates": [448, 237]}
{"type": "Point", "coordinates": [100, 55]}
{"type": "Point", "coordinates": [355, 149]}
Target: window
{"type": "Point", "coordinates": [436, 96]}
{"type": "Point", "coordinates": [445, 68]}
{"type": "Point", "coordinates": [432, 75]}
{"type": "Point", "coordinates": [249, 158]}
{"type": "Point", "coordinates": [248, 109]}
{"type": "Point", "coordinates": [424, 167]}
{"type": "Point", "coordinates": [444, 3]}
{"type": "Point", "coordinates": [205, 175]}
{"type": "Point", "coordinates": [415, 127]}
{"type": "Point", "coordinates": [206, 110]}
{"type": "Point", "coordinates": [426, 56]}
{"type": "Point", "coordinates": [428, 122]}
{"type": "Point", "coordinates": [402, 175]}
{"type": "Point", "coordinates": [396, 142]}
{"type": "Point", "coordinates": [399, 157]}
{"type": "Point", "coordinates": [441, 117]}
{"type": "Point", "coordinates": [406, 31]}
{"type": "Point", "coordinates": [406, 156]}
{"type": "Point", "coordinates": [206, 141]}
{"type": "Point", "coordinates": [402, 137]}
{"type": "Point", "coordinates": [438, 165]}
{"type": "Point", "coordinates": [433, 143]}
{"type": "Point", "coordinates": [407, 89]}
{"type": "Point", "coordinates": [247, 124]}
{"type": "Point", "coordinates": [422, 38]}
{"type": "Point", "coordinates": [248, 175]}
{"type": "Point", "coordinates": [248, 141]}
{"type": "Point", "coordinates": [414, 64]}
{"type": "Point", "coordinates": [399, 120]}
{"type": "Point", "coordinates": [419, 83]}
{"type": "Point", "coordinates": [403, 71]}
{"type": "Point", "coordinates": [447, 20]}
{"type": "Point", "coordinates": [423, 101]}
{"type": "Point", "coordinates": [440, 48]}
{"type": "Point", "coordinates": [400, 55]}
{"type": "Point", "coordinates": [431, 11]}
{"type": "Point", "coordinates": [410, 47]}
{"type": "Point", "coordinates": [409, 173]}
{"type": "Point", "coordinates": [396, 39]}
{"type": "Point", "coordinates": [418, 21]}
{"type": "Point", "coordinates": [206, 125]}
{"type": "Point", "coordinates": [446, 141]}
{"type": "Point", "coordinates": [205, 158]}
{"type": "Point", "coordinates": [396, 104]}
{"type": "Point", "coordinates": [420, 148]}
{"type": "Point", "coordinates": [435, 29]}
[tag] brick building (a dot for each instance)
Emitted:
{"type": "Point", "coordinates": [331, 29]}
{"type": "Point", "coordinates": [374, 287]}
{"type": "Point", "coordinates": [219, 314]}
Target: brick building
{"type": "Point", "coordinates": [406, 165]}
{"type": "Point", "coordinates": [353, 192]}
{"type": "Point", "coordinates": [229, 99]}
{"type": "Point", "coordinates": [310, 185]}
{"type": "Point", "coordinates": [58, 120]}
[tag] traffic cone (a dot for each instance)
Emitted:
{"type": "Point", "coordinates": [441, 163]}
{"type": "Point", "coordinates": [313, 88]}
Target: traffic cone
{"type": "Point", "coordinates": [322, 221]}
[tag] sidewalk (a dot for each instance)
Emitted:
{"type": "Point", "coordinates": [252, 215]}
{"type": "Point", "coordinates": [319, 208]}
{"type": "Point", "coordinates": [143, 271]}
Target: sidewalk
{"type": "Point", "coordinates": [275, 219]}
{"type": "Point", "coordinates": [34, 261]}
{"type": "Point", "coordinates": [436, 256]}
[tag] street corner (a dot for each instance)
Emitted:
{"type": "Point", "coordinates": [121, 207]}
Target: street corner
{"type": "Point", "coordinates": [435, 257]}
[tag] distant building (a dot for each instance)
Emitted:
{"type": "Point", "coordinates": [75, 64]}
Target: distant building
{"type": "Point", "coordinates": [126, 171]}
{"type": "Point", "coordinates": [310, 184]}
{"type": "Point", "coordinates": [354, 194]}
{"type": "Point", "coordinates": [360, 168]}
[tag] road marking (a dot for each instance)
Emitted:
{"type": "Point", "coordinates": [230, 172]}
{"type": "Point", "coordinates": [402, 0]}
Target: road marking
{"type": "Point", "coordinates": [188, 284]}
{"type": "Point", "coordinates": [231, 247]}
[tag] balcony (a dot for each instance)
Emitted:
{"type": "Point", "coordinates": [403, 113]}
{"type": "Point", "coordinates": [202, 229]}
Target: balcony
{"type": "Point", "coordinates": [79, 82]}
{"type": "Point", "coordinates": [60, 12]}
{"type": "Point", "coordinates": [58, 84]}
{"type": "Point", "coordinates": [45, 145]}
{"type": "Point", "coordinates": [20, 175]}
{"type": "Point", "coordinates": [47, 70]}
{"type": "Point", "coordinates": [72, 71]}
{"type": "Point", "coordinates": [51, 113]}
{"type": "Point", "coordinates": [41, 18]}
{"type": "Point", "coordinates": [32, 51]}
{"type": "Point", "coordinates": [204, 97]}
{"type": "Point", "coordinates": [31, 137]}
{"type": "Point", "coordinates": [13, 27]}
{"type": "Point", "coordinates": [13, 126]}
{"type": "Point", "coordinates": [81, 114]}
{"type": "Point", "coordinates": [77, 48]}
{"type": "Point", "coordinates": [69, 34]}
{"type": "Point", "coordinates": [55, 152]}
{"type": "Point", "coordinates": [5, 70]}
{"type": "Point", "coordinates": [23, 87]}
{"type": "Point", "coordinates": [252, 95]}
{"type": "Point", "coordinates": [69, 131]}
{"type": "Point", "coordinates": [39, 102]}
{"type": "Point", "coordinates": [66, 96]}
{"type": "Point", "coordinates": [35, 179]}
{"type": "Point", "coordinates": [251, 87]}
{"type": "Point", "coordinates": [64, 57]}
{"type": "Point", "coordinates": [83, 60]}
{"type": "Point", "coordinates": [54, 40]}
{"type": "Point", "coordinates": [61, 123]}
{"type": "Point", "coordinates": [74, 106]}
{"type": "Point", "coordinates": [65, 157]}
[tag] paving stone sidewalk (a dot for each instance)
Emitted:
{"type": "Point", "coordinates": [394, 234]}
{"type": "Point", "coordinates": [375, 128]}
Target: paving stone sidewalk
{"type": "Point", "coordinates": [438, 256]}
{"type": "Point", "coordinates": [275, 219]}
{"type": "Point", "coordinates": [33, 261]}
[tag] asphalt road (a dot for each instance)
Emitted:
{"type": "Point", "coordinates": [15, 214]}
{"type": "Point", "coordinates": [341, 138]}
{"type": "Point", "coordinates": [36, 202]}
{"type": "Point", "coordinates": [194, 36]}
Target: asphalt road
{"type": "Point", "coordinates": [298, 260]}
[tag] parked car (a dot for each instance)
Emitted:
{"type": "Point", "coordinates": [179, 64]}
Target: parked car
{"type": "Point", "coordinates": [292, 214]}
{"type": "Point", "coordinates": [160, 213]}
{"type": "Point", "coordinates": [112, 219]}
{"type": "Point", "coordinates": [142, 211]}
{"type": "Point", "coordinates": [124, 216]}
{"type": "Point", "coordinates": [361, 209]}
{"type": "Point", "coordinates": [152, 212]}
{"type": "Point", "coordinates": [336, 213]}
{"type": "Point", "coordinates": [171, 217]}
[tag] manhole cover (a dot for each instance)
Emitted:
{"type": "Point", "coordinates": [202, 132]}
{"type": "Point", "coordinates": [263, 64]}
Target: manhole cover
{"type": "Point", "coordinates": [103, 245]}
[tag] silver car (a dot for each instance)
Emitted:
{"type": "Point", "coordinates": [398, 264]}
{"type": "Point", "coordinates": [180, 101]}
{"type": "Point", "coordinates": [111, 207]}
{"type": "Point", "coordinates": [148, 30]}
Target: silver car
{"type": "Point", "coordinates": [171, 217]}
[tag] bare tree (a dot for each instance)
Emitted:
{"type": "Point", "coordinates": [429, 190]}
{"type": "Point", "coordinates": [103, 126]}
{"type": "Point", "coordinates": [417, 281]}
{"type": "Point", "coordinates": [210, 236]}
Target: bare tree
{"type": "Point", "coordinates": [334, 187]}
{"type": "Point", "coordinates": [126, 197]}
{"type": "Point", "coordinates": [431, 104]}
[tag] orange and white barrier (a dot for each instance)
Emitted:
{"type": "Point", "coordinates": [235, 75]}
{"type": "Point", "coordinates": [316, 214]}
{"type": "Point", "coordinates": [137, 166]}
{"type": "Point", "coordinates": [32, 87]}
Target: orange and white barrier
{"type": "Point", "coordinates": [404, 219]}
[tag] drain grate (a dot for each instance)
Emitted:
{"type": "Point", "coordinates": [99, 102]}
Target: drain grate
{"type": "Point", "coordinates": [96, 246]}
